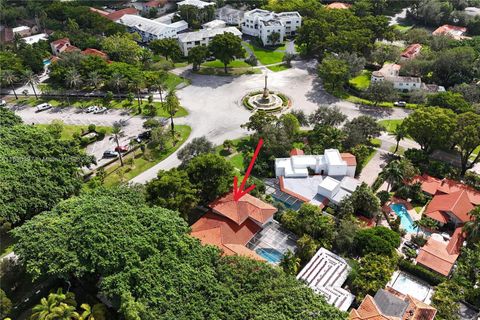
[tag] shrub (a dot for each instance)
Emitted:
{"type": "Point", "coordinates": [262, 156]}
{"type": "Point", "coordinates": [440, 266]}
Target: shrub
{"type": "Point", "coordinates": [432, 278]}
{"type": "Point", "coordinates": [84, 141]}
{"type": "Point", "coordinates": [101, 134]}
{"type": "Point", "coordinates": [252, 60]}
{"type": "Point", "coordinates": [384, 196]}
{"type": "Point", "coordinates": [92, 127]}
{"type": "Point", "coordinates": [247, 104]}
{"type": "Point", "coordinates": [419, 240]}
{"type": "Point", "coordinates": [378, 240]}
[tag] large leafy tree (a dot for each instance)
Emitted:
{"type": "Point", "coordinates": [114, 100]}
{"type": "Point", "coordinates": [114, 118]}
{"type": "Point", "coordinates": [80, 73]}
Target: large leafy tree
{"type": "Point", "coordinates": [195, 148]}
{"type": "Point", "coordinates": [379, 240]}
{"type": "Point", "coordinates": [211, 174]}
{"type": "Point", "coordinates": [168, 47]}
{"type": "Point", "coordinates": [226, 47]}
{"type": "Point", "coordinates": [454, 66]}
{"type": "Point", "coordinates": [197, 55]}
{"type": "Point", "coordinates": [450, 100]}
{"type": "Point", "coordinates": [151, 269]}
{"type": "Point", "coordinates": [467, 139]}
{"type": "Point", "coordinates": [334, 72]}
{"type": "Point", "coordinates": [40, 169]}
{"type": "Point", "coordinates": [360, 130]}
{"type": "Point", "coordinates": [374, 271]}
{"type": "Point", "coordinates": [381, 91]}
{"type": "Point", "coordinates": [122, 48]}
{"type": "Point", "coordinates": [172, 190]}
{"type": "Point", "coordinates": [431, 127]}
{"type": "Point", "coordinates": [328, 116]}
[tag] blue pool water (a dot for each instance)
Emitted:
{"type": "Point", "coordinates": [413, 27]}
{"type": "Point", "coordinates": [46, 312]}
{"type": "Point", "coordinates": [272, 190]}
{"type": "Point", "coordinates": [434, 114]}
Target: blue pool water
{"type": "Point", "coordinates": [271, 255]}
{"type": "Point", "coordinates": [405, 220]}
{"type": "Point", "coordinates": [46, 62]}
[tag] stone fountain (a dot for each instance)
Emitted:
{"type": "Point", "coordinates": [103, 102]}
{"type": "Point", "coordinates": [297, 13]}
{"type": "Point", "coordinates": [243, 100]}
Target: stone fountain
{"type": "Point", "coordinates": [265, 100]}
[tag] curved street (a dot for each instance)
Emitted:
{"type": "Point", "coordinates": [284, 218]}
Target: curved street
{"type": "Point", "coordinates": [215, 108]}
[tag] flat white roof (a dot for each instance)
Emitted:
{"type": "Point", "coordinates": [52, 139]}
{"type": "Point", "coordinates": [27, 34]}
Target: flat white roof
{"type": "Point", "coordinates": [329, 183]}
{"type": "Point", "coordinates": [196, 3]}
{"type": "Point", "coordinates": [167, 19]}
{"type": "Point", "coordinates": [214, 24]}
{"type": "Point", "coordinates": [308, 160]}
{"type": "Point", "coordinates": [35, 38]}
{"type": "Point", "coordinates": [206, 33]}
{"type": "Point", "coordinates": [333, 157]}
{"type": "Point", "coordinates": [349, 184]}
{"type": "Point", "coordinates": [20, 29]}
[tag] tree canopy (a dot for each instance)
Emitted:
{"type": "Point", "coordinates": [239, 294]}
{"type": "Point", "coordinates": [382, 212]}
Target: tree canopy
{"type": "Point", "coordinates": [151, 269]}
{"type": "Point", "coordinates": [40, 169]}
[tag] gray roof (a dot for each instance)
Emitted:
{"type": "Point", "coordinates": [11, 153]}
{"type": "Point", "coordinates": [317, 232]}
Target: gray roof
{"type": "Point", "coordinates": [144, 24]}
{"type": "Point", "coordinates": [196, 3]}
{"type": "Point", "coordinates": [389, 304]}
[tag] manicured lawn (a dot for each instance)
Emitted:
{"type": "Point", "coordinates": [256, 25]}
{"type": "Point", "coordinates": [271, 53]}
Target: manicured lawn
{"type": "Point", "coordinates": [69, 130]}
{"type": "Point", "coordinates": [182, 112]}
{"type": "Point", "coordinates": [277, 68]}
{"type": "Point", "coordinates": [231, 71]}
{"type": "Point", "coordinates": [402, 28]}
{"type": "Point", "coordinates": [390, 125]}
{"type": "Point", "coordinates": [370, 156]}
{"type": "Point", "coordinates": [362, 81]}
{"type": "Point", "coordinates": [266, 55]}
{"type": "Point", "coordinates": [237, 161]}
{"type": "Point", "coordinates": [173, 81]}
{"type": "Point", "coordinates": [219, 64]}
{"type": "Point", "coordinates": [141, 163]}
{"type": "Point", "coordinates": [376, 142]}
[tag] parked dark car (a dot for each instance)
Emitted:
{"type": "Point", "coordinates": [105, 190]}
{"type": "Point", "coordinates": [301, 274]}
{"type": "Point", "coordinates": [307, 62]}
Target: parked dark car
{"type": "Point", "coordinates": [144, 136]}
{"type": "Point", "coordinates": [110, 154]}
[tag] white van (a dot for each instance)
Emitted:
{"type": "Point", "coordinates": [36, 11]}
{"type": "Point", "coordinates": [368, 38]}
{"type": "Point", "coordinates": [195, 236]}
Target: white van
{"type": "Point", "coordinates": [43, 106]}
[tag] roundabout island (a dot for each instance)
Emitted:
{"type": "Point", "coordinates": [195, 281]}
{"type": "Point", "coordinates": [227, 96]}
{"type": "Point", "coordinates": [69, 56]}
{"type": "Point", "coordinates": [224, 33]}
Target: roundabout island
{"type": "Point", "coordinates": [266, 100]}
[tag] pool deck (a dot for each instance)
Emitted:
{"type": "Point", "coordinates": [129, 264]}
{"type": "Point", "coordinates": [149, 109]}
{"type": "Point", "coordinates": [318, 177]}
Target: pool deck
{"type": "Point", "coordinates": [411, 291]}
{"type": "Point", "coordinates": [410, 209]}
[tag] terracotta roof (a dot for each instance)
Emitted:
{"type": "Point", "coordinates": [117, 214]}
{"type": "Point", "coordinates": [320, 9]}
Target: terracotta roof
{"type": "Point", "coordinates": [457, 203]}
{"type": "Point", "coordinates": [100, 12]}
{"type": "Point", "coordinates": [434, 255]}
{"type": "Point", "coordinates": [155, 3]}
{"type": "Point", "coordinates": [368, 309]}
{"type": "Point", "coordinates": [432, 186]}
{"type": "Point", "coordinates": [214, 229]}
{"type": "Point", "coordinates": [95, 52]}
{"type": "Point", "coordinates": [447, 28]}
{"type": "Point", "coordinates": [338, 5]}
{"type": "Point", "coordinates": [71, 49]}
{"type": "Point", "coordinates": [247, 207]}
{"type": "Point", "coordinates": [349, 158]}
{"type": "Point", "coordinates": [60, 41]}
{"type": "Point", "coordinates": [296, 152]}
{"type": "Point", "coordinates": [412, 50]}
{"type": "Point", "coordinates": [114, 16]}
{"type": "Point", "coordinates": [456, 241]}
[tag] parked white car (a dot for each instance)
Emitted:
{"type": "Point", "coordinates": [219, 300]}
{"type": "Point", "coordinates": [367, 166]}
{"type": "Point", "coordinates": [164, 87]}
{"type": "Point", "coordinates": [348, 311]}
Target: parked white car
{"type": "Point", "coordinates": [3, 103]}
{"type": "Point", "coordinates": [43, 106]}
{"type": "Point", "coordinates": [91, 109]}
{"type": "Point", "coordinates": [100, 110]}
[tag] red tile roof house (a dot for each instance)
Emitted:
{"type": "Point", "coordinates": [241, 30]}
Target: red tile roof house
{"type": "Point", "coordinates": [455, 32]}
{"type": "Point", "coordinates": [338, 5]}
{"type": "Point", "coordinates": [452, 201]}
{"type": "Point", "coordinates": [62, 45]}
{"type": "Point", "coordinates": [95, 52]}
{"type": "Point", "coordinates": [116, 15]}
{"type": "Point", "coordinates": [411, 51]}
{"type": "Point", "coordinates": [440, 256]}
{"type": "Point", "coordinates": [231, 224]}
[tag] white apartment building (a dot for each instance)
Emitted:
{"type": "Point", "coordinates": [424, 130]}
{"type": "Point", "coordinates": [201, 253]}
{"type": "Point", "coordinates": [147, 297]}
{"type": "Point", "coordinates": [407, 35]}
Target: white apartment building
{"type": "Point", "coordinates": [189, 40]}
{"type": "Point", "coordinates": [195, 3]}
{"type": "Point", "coordinates": [325, 273]}
{"type": "Point", "coordinates": [150, 29]}
{"type": "Point", "coordinates": [262, 23]}
{"type": "Point", "coordinates": [230, 15]}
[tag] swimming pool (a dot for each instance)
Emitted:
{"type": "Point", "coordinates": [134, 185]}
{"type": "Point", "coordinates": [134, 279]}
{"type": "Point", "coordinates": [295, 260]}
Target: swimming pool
{"type": "Point", "coordinates": [271, 255]}
{"type": "Point", "coordinates": [407, 284]}
{"type": "Point", "coordinates": [405, 220]}
{"type": "Point", "coordinates": [46, 62]}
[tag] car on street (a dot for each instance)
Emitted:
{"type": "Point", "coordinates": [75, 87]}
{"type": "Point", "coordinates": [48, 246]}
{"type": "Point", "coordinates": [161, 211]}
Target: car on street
{"type": "Point", "coordinates": [144, 136]}
{"type": "Point", "coordinates": [100, 110]}
{"type": "Point", "coordinates": [43, 106]}
{"type": "Point", "coordinates": [110, 154]}
{"type": "Point", "coordinates": [91, 109]}
{"type": "Point", "coordinates": [400, 104]}
{"type": "Point", "coordinates": [121, 148]}
{"type": "Point", "coordinates": [3, 103]}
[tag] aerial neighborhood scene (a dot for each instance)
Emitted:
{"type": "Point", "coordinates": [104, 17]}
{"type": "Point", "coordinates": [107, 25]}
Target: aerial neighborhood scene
{"type": "Point", "coordinates": [239, 160]}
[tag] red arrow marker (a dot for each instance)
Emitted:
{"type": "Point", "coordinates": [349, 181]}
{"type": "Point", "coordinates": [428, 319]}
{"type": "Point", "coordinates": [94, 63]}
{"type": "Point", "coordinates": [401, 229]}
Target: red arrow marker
{"type": "Point", "coordinates": [238, 193]}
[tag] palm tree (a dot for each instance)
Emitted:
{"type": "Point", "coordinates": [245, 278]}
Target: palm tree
{"type": "Point", "coordinates": [95, 79]}
{"type": "Point", "coordinates": [399, 133]}
{"type": "Point", "coordinates": [171, 106]}
{"type": "Point", "coordinates": [56, 306]}
{"type": "Point", "coordinates": [417, 224]}
{"type": "Point", "coordinates": [96, 313]}
{"type": "Point", "coordinates": [118, 133]}
{"type": "Point", "coordinates": [32, 80]}
{"type": "Point", "coordinates": [290, 263]}
{"type": "Point", "coordinates": [73, 78]}
{"type": "Point", "coordinates": [9, 77]}
{"type": "Point", "coordinates": [17, 41]}
{"type": "Point", "coordinates": [118, 81]}
{"type": "Point", "coordinates": [392, 173]}
{"type": "Point", "coordinates": [472, 228]}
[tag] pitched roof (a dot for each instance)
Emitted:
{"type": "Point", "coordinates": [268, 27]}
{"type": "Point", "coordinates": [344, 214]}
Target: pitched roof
{"type": "Point", "coordinates": [447, 28]}
{"type": "Point", "coordinates": [100, 12]}
{"type": "Point", "coordinates": [338, 5]}
{"type": "Point", "coordinates": [434, 255]}
{"type": "Point", "coordinates": [432, 185]}
{"type": "Point", "coordinates": [214, 229]}
{"type": "Point", "coordinates": [389, 304]}
{"type": "Point", "coordinates": [349, 158]}
{"type": "Point", "coordinates": [155, 3]}
{"type": "Point", "coordinates": [95, 52]}
{"type": "Point", "coordinates": [412, 50]}
{"type": "Point", "coordinates": [416, 310]}
{"type": "Point", "coordinates": [114, 16]}
{"type": "Point", "coordinates": [368, 309]}
{"type": "Point", "coordinates": [71, 49]}
{"type": "Point", "coordinates": [247, 207]}
{"type": "Point", "coordinates": [457, 203]}
{"type": "Point", "coordinates": [61, 41]}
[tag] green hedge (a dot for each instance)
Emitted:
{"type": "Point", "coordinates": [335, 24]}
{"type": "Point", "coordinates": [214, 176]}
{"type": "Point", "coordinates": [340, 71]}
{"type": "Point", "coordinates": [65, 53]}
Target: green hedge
{"type": "Point", "coordinates": [432, 278]}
